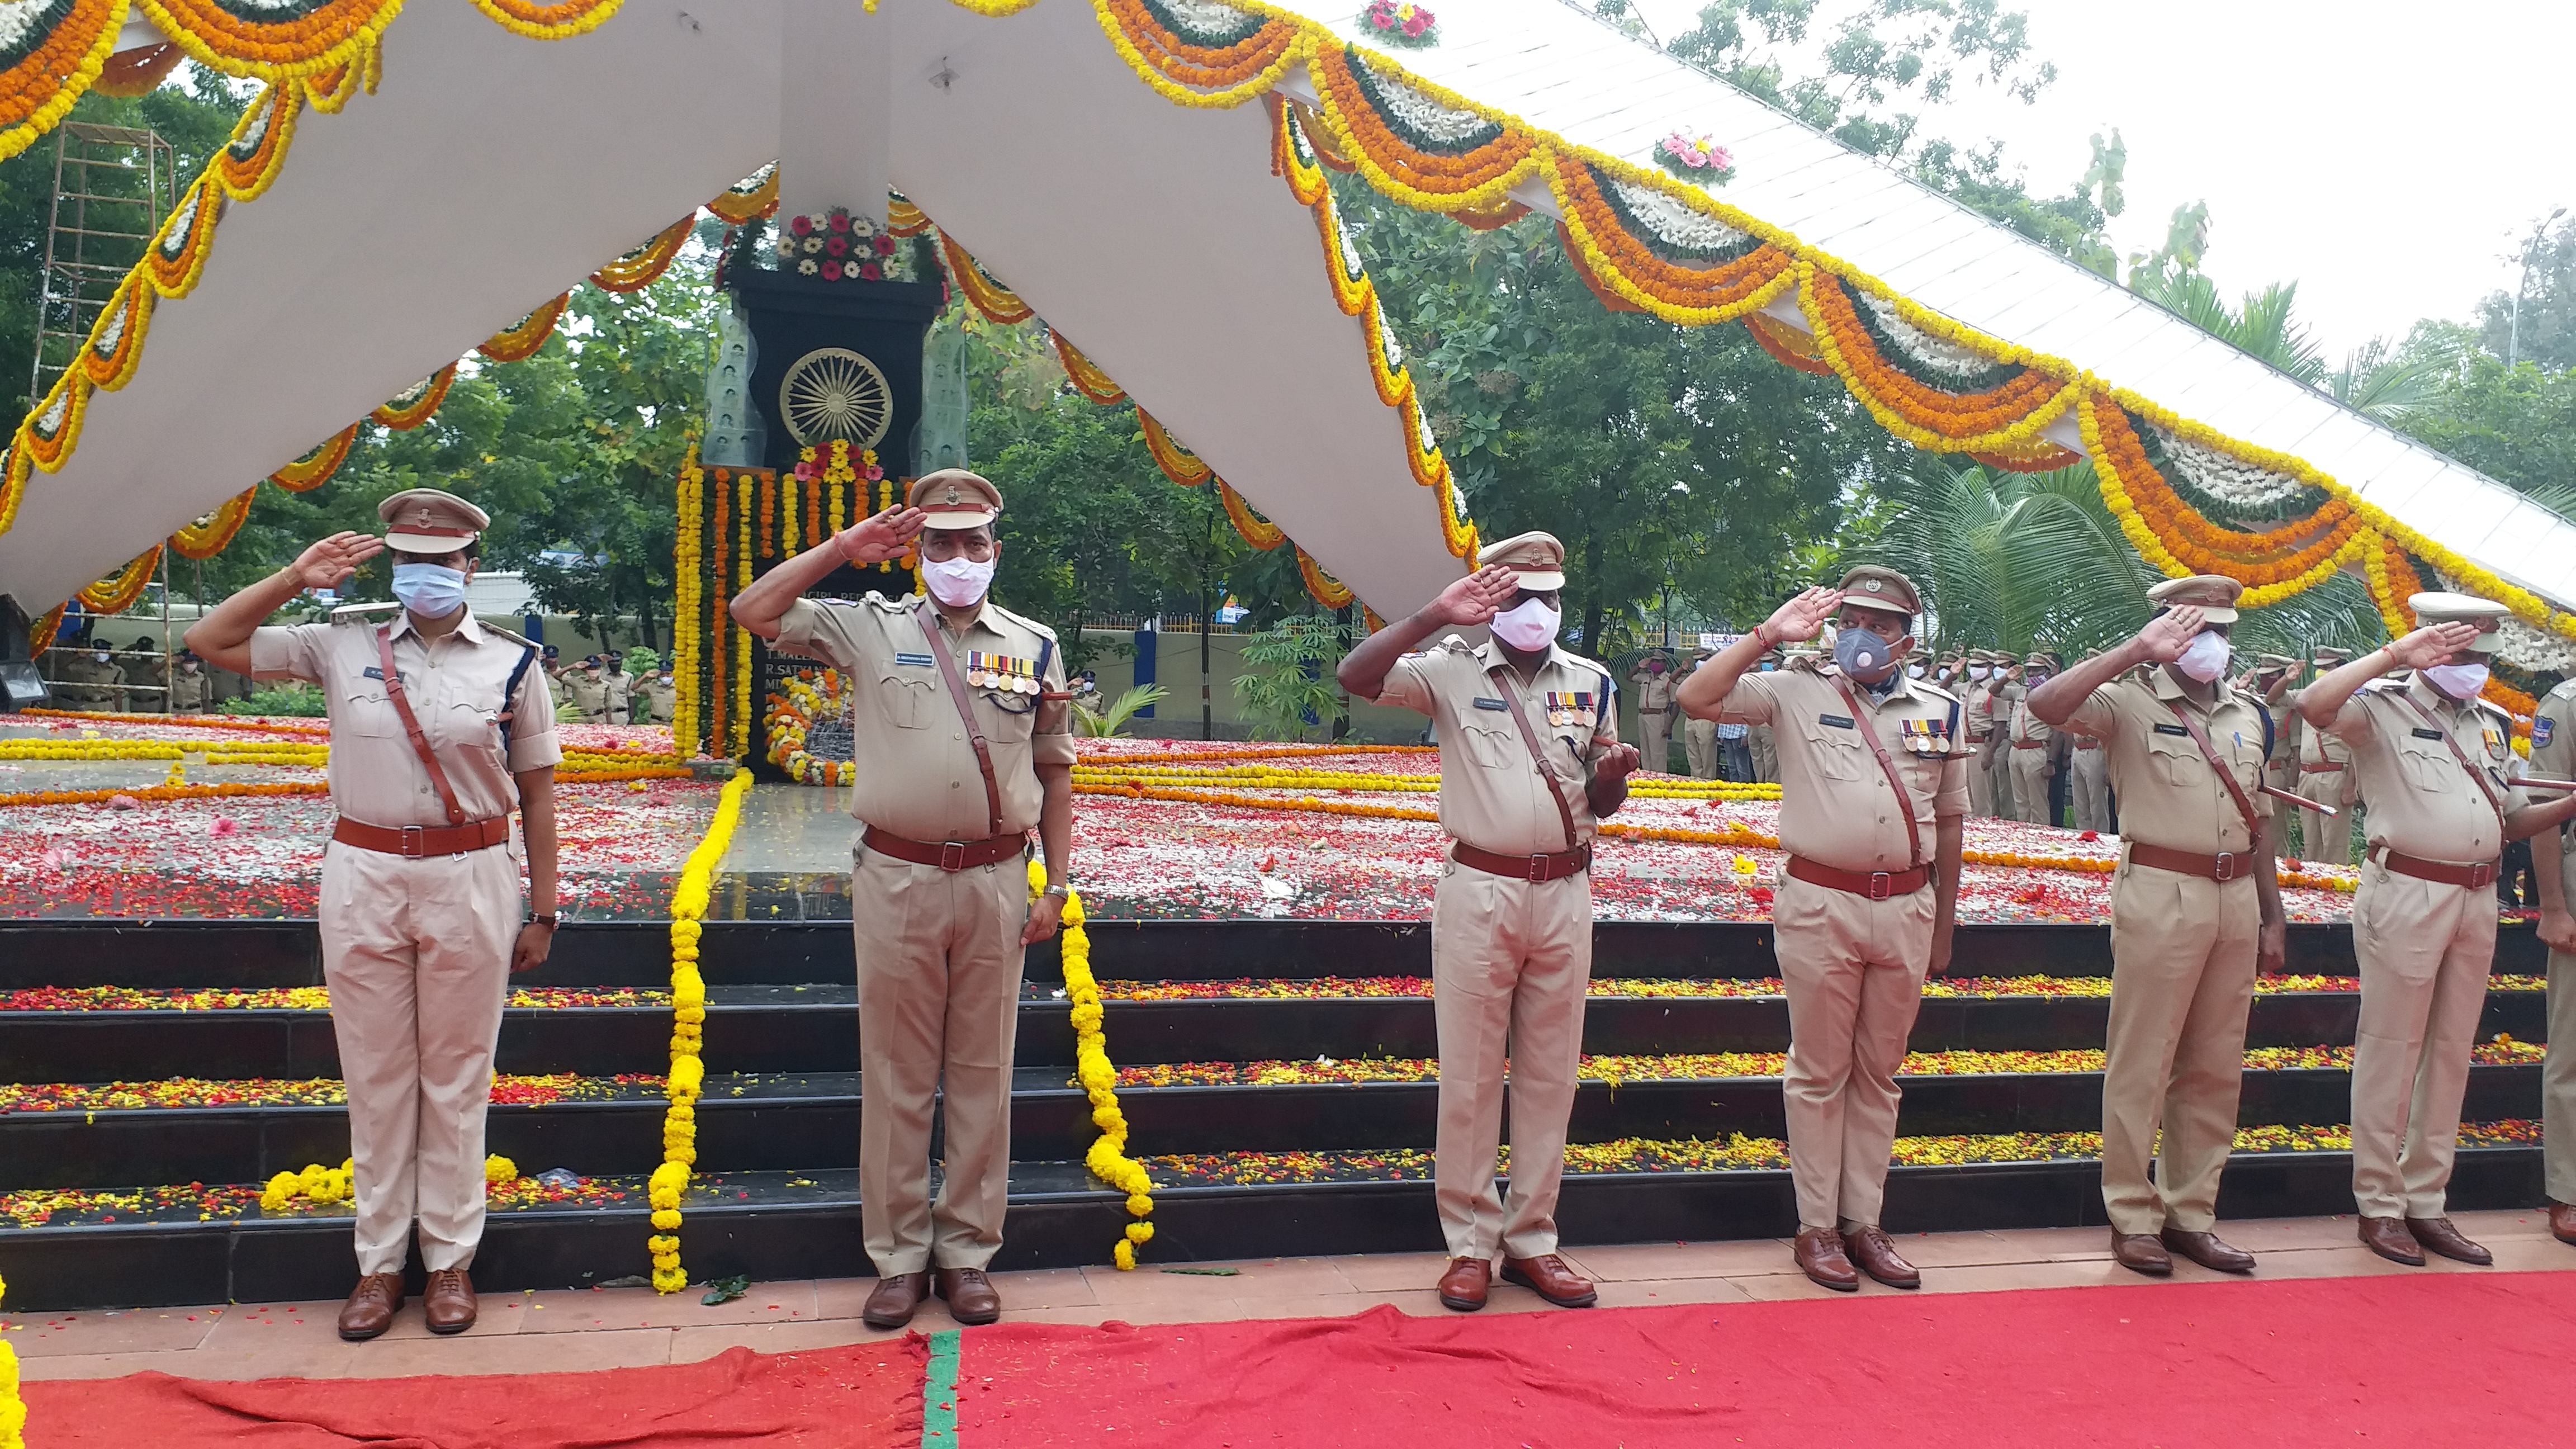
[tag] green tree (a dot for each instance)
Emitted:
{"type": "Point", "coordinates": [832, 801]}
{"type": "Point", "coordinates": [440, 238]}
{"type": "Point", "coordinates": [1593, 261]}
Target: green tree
{"type": "Point", "coordinates": [2542, 329]}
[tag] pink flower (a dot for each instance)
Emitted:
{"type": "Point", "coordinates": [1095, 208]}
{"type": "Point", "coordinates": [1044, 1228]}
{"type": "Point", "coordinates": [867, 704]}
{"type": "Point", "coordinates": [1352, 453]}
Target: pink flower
{"type": "Point", "coordinates": [801, 225]}
{"type": "Point", "coordinates": [837, 246]}
{"type": "Point", "coordinates": [885, 245]}
{"type": "Point", "coordinates": [840, 221]}
{"type": "Point", "coordinates": [871, 271]}
{"type": "Point", "coordinates": [1417, 24]}
{"type": "Point", "coordinates": [227, 826]}
{"type": "Point", "coordinates": [1718, 158]}
{"type": "Point", "coordinates": [831, 271]}
{"type": "Point", "coordinates": [804, 471]}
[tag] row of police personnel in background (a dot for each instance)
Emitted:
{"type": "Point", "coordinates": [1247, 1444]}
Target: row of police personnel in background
{"type": "Point", "coordinates": [440, 729]}
{"type": "Point", "coordinates": [91, 674]}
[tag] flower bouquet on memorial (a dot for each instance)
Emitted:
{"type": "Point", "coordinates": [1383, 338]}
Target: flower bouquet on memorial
{"type": "Point", "coordinates": [1695, 158]}
{"type": "Point", "coordinates": [1400, 23]}
{"type": "Point", "coordinates": [841, 246]}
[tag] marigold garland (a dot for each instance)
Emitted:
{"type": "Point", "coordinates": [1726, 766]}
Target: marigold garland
{"type": "Point", "coordinates": [1177, 462]}
{"type": "Point", "coordinates": [315, 468]}
{"type": "Point", "coordinates": [1328, 591]}
{"type": "Point", "coordinates": [806, 696]}
{"type": "Point", "coordinates": [561, 19]}
{"type": "Point", "coordinates": [688, 556]}
{"type": "Point", "coordinates": [41, 637]}
{"type": "Point", "coordinates": [50, 78]}
{"type": "Point", "coordinates": [719, 636]}
{"type": "Point", "coordinates": [999, 304]}
{"type": "Point", "coordinates": [1087, 379]}
{"type": "Point", "coordinates": [768, 514]}
{"type": "Point", "coordinates": [1107, 1157]}
{"type": "Point", "coordinates": [750, 200]}
{"type": "Point", "coordinates": [1789, 346]}
{"type": "Point", "coordinates": [111, 595]}
{"type": "Point", "coordinates": [1202, 76]}
{"type": "Point", "coordinates": [13, 1408]}
{"type": "Point", "coordinates": [2004, 418]}
{"type": "Point", "coordinates": [519, 342]}
{"type": "Point", "coordinates": [418, 404]}
{"type": "Point", "coordinates": [645, 265]}
{"type": "Point", "coordinates": [670, 1181]}
{"type": "Point", "coordinates": [208, 536]}
{"type": "Point", "coordinates": [1257, 531]}
{"type": "Point", "coordinates": [243, 40]}
{"type": "Point", "coordinates": [1609, 253]}
{"type": "Point", "coordinates": [738, 741]}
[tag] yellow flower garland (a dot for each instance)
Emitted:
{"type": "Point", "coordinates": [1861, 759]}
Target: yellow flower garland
{"type": "Point", "coordinates": [1107, 1157]}
{"type": "Point", "coordinates": [670, 1181]}
{"type": "Point", "coordinates": [540, 21]}
{"type": "Point", "coordinates": [645, 265]}
{"type": "Point", "coordinates": [688, 564]}
{"type": "Point", "coordinates": [738, 743]}
{"type": "Point", "coordinates": [13, 1408]}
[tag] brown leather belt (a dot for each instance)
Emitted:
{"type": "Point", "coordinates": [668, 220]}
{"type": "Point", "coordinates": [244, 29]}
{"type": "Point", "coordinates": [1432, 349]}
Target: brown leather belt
{"type": "Point", "coordinates": [2030, 745]}
{"type": "Point", "coordinates": [2226, 865]}
{"type": "Point", "coordinates": [418, 842]}
{"type": "Point", "coordinates": [2088, 744]}
{"type": "Point", "coordinates": [2328, 768]}
{"type": "Point", "coordinates": [1880, 886]}
{"type": "Point", "coordinates": [1523, 867]}
{"type": "Point", "coordinates": [2441, 872]}
{"type": "Point", "coordinates": [1667, 709]}
{"type": "Point", "coordinates": [949, 855]}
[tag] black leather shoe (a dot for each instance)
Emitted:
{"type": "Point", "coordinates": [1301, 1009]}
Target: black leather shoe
{"type": "Point", "coordinates": [2206, 1250]}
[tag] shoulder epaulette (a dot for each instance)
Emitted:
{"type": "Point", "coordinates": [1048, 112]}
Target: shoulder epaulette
{"type": "Point", "coordinates": [511, 635]}
{"type": "Point", "coordinates": [901, 605]}
{"type": "Point", "coordinates": [1023, 620]}
{"type": "Point", "coordinates": [365, 613]}
{"type": "Point", "coordinates": [2566, 689]}
{"type": "Point", "coordinates": [1926, 686]}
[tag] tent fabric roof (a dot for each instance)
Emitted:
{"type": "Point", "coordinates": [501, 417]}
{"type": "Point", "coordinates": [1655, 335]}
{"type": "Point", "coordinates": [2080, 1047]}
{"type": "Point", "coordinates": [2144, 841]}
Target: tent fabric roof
{"type": "Point", "coordinates": [1152, 235]}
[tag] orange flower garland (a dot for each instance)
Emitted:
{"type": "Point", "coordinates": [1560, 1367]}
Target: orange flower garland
{"type": "Point", "coordinates": [301, 41]}
{"type": "Point", "coordinates": [403, 416]}
{"type": "Point", "coordinates": [41, 637]}
{"type": "Point", "coordinates": [768, 511]}
{"type": "Point", "coordinates": [998, 303]}
{"type": "Point", "coordinates": [315, 468]}
{"type": "Point", "coordinates": [1260, 532]}
{"type": "Point", "coordinates": [645, 265]}
{"type": "Point", "coordinates": [1929, 418]}
{"type": "Point", "coordinates": [520, 342]}
{"type": "Point", "coordinates": [1087, 379]}
{"type": "Point", "coordinates": [164, 794]}
{"type": "Point", "coordinates": [2251, 558]}
{"type": "Point", "coordinates": [736, 206]}
{"type": "Point", "coordinates": [1328, 591]}
{"type": "Point", "coordinates": [719, 637]}
{"type": "Point", "coordinates": [1691, 295]}
{"type": "Point", "coordinates": [205, 540]}
{"type": "Point", "coordinates": [1232, 71]}
{"type": "Point", "coordinates": [1177, 462]}
{"type": "Point", "coordinates": [1475, 180]}
{"type": "Point", "coordinates": [112, 594]}
{"type": "Point", "coordinates": [44, 85]}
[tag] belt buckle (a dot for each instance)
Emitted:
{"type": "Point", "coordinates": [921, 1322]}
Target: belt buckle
{"type": "Point", "coordinates": [1880, 883]}
{"type": "Point", "coordinates": [1538, 869]}
{"type": "Point", "coordinates": [2225, 868]}
{"type": "Point", "coordinates": [952, 855]}
{"type": "Point", "coordinates": [2482, 874]}
{"type": "Point", "coordinates": [414, 842]}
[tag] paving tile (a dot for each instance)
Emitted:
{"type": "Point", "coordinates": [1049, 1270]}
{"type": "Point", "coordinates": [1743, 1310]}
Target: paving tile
{"type": "Point", "coordinates": [95, 1332]}
{"type": "Point", "coordinates": [65, 1367]}
{"type": "Point", "coordinates": [2257, 1235]}
{"type": "Point", "coordinates": [2007, 1277]}
{"type": "Point", "coordinates": [584, 1310]}
{"type": "Point", "coordinates": [1044, 1288]}
{"type": "Point", "coordinates": [1961, 1250]}
{"type": "Point", "coordinates": [257, 1328]}
{"type": "Point", "coordinates": [1217, 1308]}
{"type": "Point", "coordinates": [1394, 1272]}
{"type": "Point", "coordinates": [689, 1345]}
{"type": "Point", "coordinates": [1262, 1277]}
{"type": "Point", "coordinates": [1774, 1287]}
{"type": "Point", "coordinates": [1633, 1294]}
{"type": "Point", "coordinates": [518, 1353]}
{"type": "Point", "coordinates": [495, 1315]}
{"type": "Point", "coordinates": [2507, 1223]}
{"type": "Point", "coordinates": [1267, 1307]}
{"type": "Point", "coordinates": [1640, 1262]}
{"type": "Point", "coordinates": [302, 1359]}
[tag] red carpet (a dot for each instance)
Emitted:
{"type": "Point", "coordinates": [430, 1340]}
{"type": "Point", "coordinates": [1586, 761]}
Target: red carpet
{"type": "Point", "coordinates": [848, 1398]}
{"type": "Point", "coordinates": [2413, 1360]}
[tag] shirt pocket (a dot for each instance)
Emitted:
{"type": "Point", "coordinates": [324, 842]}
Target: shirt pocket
{"type": "Point", "coordinates": [1489, 748]}
{"type": "Point", "coordinates": [2177, 763]}
{"type": "Point", "coordinates": [903, 697]}
{"type": "Point", "coordinates": [1836, 752]}
{"type": "Point", "coordinates": [1007, 718]}
{"type": "Point", "coordinates": [2426, 765]}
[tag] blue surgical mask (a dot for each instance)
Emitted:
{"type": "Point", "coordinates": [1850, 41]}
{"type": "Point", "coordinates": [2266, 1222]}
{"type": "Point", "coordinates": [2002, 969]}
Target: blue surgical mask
{"type": "Point", "coordinates": [1862, 654]}
{"type": "Point", "coordinates": [433, 591]}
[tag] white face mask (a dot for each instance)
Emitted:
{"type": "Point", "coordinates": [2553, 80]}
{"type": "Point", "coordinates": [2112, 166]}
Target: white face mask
{"type": "Point", "coordinates": [1914, 671]}
{"type": "Point", "coordinates": [2205, 657]}
{"type": "Point", "coordinates": [1528, 626]}
{"type": "Point", "coordinates": [957, 582]}
{"type": "Point", "coordinates": [2458, 681]}
{"type": "Point", "coordinates": [1976, 671]}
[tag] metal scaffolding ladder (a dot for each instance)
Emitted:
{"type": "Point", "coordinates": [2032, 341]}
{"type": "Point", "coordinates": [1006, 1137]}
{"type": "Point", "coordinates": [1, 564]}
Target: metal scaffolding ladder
{"type": "Point", "coordinates": [113, 186]}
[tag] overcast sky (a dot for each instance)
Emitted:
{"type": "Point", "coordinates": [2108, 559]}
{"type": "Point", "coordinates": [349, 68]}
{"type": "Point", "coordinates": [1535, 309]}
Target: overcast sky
{"type": "Point", "coordinates": [2387, 157]}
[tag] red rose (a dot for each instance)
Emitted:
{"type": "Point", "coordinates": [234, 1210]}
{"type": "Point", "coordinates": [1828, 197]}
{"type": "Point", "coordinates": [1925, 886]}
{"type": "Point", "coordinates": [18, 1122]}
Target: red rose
{"type": "Point", "coordinates": [885, 245]}
{"type": "Point", "coordinates": [831, 271]}
{"type": "Point", "coordinates": [835, 246]}
{"type": "Point", "coordinates": [841, 221]}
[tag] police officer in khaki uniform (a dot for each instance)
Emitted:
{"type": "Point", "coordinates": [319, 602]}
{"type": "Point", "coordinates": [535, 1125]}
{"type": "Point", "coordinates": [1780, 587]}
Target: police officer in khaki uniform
{"type": "Point", "coordinates": [439, 729]}
{"type": "Point", "coordinates": [2195, 912]}
{"type": "Point", "coordinates": [1530, 759]}
{"type": "Point", "coordinates": [147, 677]}
{"type": "Point", "coordinates": [191, 688]}
{"type": "Point", "coordinates": [1976, 696]}
{"type": "Point", "coordinates": [1761, 741]}
{"type": "Point", "coordinates": [959, 714]}
{"type": "Point", "coordinates": [660, 696]}
{"type": "Point", "coordinates": [1654, 681]}
{"type": "Point", "coordinates": [1873, 789]}
{"type": "Point", "coordinates": [1699, 736]}
{"type": "Point", "coordinates": [2006, 668]}
{"type": "Point", "coordinates": [2553, 855]}
{"type": "Point", "coordinates": [2032, 747]}
{"type": "Point", "coordinates": [89, 678]}
{"type": "Point", "coordinates": [2436, 766]}
{"type": "Point", "coordinates": [2088, 779]}
{"type": "Point", "coordinates": [2325, 776]}
{"type": "Point", "coordinates": [621, 688]}
{"type": "Point", "coordinates": [589, 688]}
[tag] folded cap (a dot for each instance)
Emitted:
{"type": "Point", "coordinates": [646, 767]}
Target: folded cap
{"type": "Point", "coordinates": [426, 520]}
{"type": "Point", "coordinates": [1875, 586]}
{"type": "Point", "coordinates": [2041, 657]}
{"type": "Point", "coordinates": [955, 498]}
{"type": "Point", "coordinates": [2448, 608]}
{"type": "Point", "coordinates": [1536, 559]}
{"type": "Point", "coordinates": [2268, 663]}
{"type": "Point", "coordinates": [2213, 594]}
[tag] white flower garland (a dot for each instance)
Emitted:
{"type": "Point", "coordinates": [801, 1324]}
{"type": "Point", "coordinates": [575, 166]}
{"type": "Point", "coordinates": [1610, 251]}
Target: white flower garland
{"type": "Point", "coordinates": [1672, 222]}
{"type": "Point", "coordinates": [52, 421]}
{"type": "Point", "coordinates": [1386, 340]}
{"type": "Point", "coordinates": [1426, 115]}
{"type": "Point", "coordinates": [1352, 266]}
{"type": "Point", "coordinates": [2532, 650]}
{"type": "Point", "coordinates": [1947, 358]}
{"type": "Point", "coordinates": [17, 17]}
{"type": "Point", "coordinates": [1208, 18]}
{"type": "Point", "coordinates": [114, 332]}
{"type": "Point", "coordinates": [182, 222]}
{"type": "Point", "coordinates": [2229, 480]}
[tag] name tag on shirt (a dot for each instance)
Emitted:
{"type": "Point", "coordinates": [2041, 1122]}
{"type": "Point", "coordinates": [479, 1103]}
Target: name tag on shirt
{"type": "Point", "coordinates": [1838, 721]}
{"type": "Point", "coordinates": [2424, 734]}
{"type": "Point", "coordinates": [1483, 703]}
{"type": "Point", "coordinates": [377, 672]}
{"type": "Point", "coordinates": [2165, 729]}
{"type": "Point", "coordinates": [916, 661]}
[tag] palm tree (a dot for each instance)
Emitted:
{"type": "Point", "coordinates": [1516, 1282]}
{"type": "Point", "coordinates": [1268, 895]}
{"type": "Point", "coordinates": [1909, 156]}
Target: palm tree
{"type": "Point", "coordinates": [2015, 560]}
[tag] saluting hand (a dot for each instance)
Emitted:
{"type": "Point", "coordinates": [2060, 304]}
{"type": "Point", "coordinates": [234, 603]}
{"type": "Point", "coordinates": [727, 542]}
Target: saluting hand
{"type": "Point", "coordinates": [881, 538]}
{"type": "Point", "coordinates": [2432, 645]}
{"type": "Point", "coordinates": [334, 561]}
{"type": "Point", "coordinates": [2171, 632]}
{"type": "Point", "coordinates": [1801, 617]}
{"type": "Point", "coordinates": [1477, 598]}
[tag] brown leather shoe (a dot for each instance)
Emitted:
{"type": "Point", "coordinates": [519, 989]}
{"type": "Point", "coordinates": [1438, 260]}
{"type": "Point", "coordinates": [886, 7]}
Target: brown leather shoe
{"type": "Point", "coordinates": [1549, 1278]}
{"type": "Point", "coordinates": [1466, 1283]}
{"type": "Point", "coordinates": [969, 1293]}
{"type": "Point", "coordinates": [2140, 1253]}
{"type": "Point", "coordinates": [2206, 1250]}
{"type": "Point", "coordinates": [895, 1297]}
{"type": "Point", "coordinates": [2389, 1239]}
{"type": "Point", "coordinates": [448, 1302]}
{"type": "Point", "coordinates": [1819, 1254]}
{"type": "Point", "coordinates": [371, 1306]}
{"type": "Point", "coordinates": [2562, 1221]}
{"type": "Point", "coordinates": [2437, 1235]}
{"type": "Point", "coordinates": [1874, 1252]}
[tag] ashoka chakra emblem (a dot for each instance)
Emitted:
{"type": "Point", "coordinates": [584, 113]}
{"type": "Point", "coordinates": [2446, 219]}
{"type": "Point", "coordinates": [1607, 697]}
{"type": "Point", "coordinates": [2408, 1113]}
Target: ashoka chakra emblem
{"type": "Point", "coordinates": [833, 394]}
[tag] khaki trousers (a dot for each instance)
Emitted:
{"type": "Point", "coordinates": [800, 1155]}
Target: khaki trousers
{"type": "Point", "coordinates": [1765, 747]}
{"type": "Point", "coordinates": [417, 956]}
{"type": "Point", "coordinates": [2558, 1073]}
{"type": "Point", "coordinates": [1699, 743]}
{"type": "Point", "coordinates": [2090, 786]}
{"type": "Point", "coordinates": [2425, 951]}
{"type": "Point", "coordinates": [1853, 969]}
{"type": "Point", "coordinates": [2321, 838]}
{"type": "Point", "coordinates": [1981, 785]}
{"type": "Point", "coordinates": [939, 987]}
{"type": "Point", "coordinates": [2182, 981]}
{"type": "Point", "coordinates": [1653, 734]}
{"type": "Point", "coordinates": [2030, 786]}
{"type": "Point", "coordinates": [1509, 963]}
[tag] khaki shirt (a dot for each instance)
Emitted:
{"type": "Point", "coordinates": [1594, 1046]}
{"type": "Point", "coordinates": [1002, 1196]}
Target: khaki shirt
{"type": "Point", "coordinates": [1491, 796]}
{"type": "Point", "coordinates": [189, 692]}
{"type": "Point", "coordinates": [621, 695]}
{"type": "Point", "coordinates": [2553, 749]}
{"type": "Point", "coordinates": [1654, 691]}
{"type": "Point", "coordinates": [589, 694]}
{"type": "Point", "coordinates": [2169, 795]}
{"type": "Point", "coordinates": [919, 778]}
{"type": "Point", "coordinates": [2023, 727]}
{"type": "Point", "coordinates": [455, 686]}
{"type": "Point", "coordinates": [1835, 805]}
{"type": "Point", "coordinates": [2421, 802]}
{"type": "Point", "coordinates": [1978, 699]}
{"type": "Point", "coordinates": [661, 697]}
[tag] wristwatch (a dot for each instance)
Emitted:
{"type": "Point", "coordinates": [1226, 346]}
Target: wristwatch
{"type": "Point", "coordinates": [1059, 892]}
{"type": "Point", "coordinates": [550, 921]}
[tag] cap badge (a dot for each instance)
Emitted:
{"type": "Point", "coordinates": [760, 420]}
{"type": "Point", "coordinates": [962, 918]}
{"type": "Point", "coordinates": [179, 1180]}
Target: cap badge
{"type": "Point", "coordinates": [952, 497]}
{"type": "Point", "coordinates": [1873, 585]}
